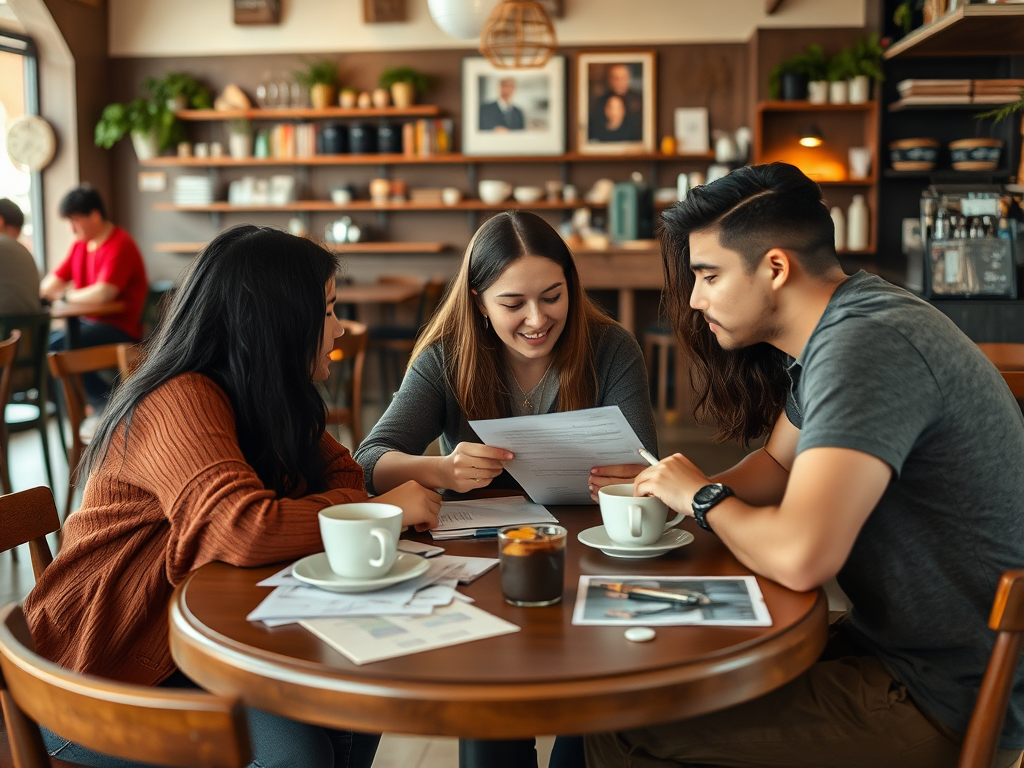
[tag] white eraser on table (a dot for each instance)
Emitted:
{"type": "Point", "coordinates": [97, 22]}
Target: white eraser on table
{"type": "Point", "coordinates": [639, 634]}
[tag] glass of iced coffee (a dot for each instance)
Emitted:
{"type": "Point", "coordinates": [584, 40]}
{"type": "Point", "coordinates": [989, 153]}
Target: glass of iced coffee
{"type": "Point", "coordinates": [532, 561]}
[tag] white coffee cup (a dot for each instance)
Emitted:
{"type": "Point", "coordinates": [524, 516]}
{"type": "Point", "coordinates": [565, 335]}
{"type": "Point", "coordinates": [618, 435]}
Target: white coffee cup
{"type": "Point", "coordinates": [361, 540]}
{"type": "Point", "coordinates": [451, 195]}
{"type": "Point", "coordinates": [633, 520]}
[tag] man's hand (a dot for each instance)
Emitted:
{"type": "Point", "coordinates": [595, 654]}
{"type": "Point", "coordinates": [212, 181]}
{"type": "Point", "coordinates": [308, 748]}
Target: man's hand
{"type": "Point", "coordinates": [615, 474]}
{"type": "Point", "coordinates": [472, 465]}
{"type": "Point", "coordinates": [420, 506]}
{"type": "Point", "coordinates": [674, 480]}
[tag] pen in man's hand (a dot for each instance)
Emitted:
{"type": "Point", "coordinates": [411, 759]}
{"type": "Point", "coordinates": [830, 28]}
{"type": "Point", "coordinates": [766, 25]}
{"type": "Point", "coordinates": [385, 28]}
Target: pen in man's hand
{"type": "Point", "coordinates": [651, 459]}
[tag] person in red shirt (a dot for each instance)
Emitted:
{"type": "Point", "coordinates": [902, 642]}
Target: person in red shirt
{"type": "Point", "coordinates": [103, 265]}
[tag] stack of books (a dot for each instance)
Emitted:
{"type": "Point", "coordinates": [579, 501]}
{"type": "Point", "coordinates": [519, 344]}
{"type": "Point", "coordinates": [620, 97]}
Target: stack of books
{"type": "Point", "coordinates": [193, 190]}
{"type": "Point", "coordinates": [288, 140]}
{"type": "Point", "coordinates": [1001, 91]}
{"type": "Point", "coordinates": [424, 138]}
{"type": "Point", "coordinates": [922, 91]}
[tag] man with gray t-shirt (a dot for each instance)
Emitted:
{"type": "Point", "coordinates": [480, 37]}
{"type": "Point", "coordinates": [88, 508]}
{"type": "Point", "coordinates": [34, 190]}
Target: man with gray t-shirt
{"type": "Point", "coordinates": [19, 276]}
{"type": "Point", "coordinates": [894, 462]}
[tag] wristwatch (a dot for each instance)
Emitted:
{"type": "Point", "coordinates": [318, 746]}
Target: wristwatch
{"type": "Point", "coordinates": [705, 499]}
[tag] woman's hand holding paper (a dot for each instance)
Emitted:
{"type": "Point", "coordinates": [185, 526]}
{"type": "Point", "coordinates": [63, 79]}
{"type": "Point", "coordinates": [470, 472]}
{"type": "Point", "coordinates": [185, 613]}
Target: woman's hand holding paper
{"type": "Point", "coordinates": [613, 475]}
{"type": "Point", "coordinates": [472, 465]}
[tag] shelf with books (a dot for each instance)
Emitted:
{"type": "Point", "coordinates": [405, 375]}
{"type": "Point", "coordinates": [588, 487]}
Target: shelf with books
{"type": "Point", "coordinates": [973, 29]}
{"type": "Point", "coordinates": [370, 247]}
{"type": "Point", "coordinates": [330, 113]}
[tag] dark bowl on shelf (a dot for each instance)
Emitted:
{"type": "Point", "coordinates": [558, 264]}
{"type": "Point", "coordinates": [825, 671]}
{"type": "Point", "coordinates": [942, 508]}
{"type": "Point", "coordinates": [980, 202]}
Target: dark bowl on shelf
{"type": "Point", "coordinates": [913, 154]}
{"type": "Point", "coordinates": [975, 154]}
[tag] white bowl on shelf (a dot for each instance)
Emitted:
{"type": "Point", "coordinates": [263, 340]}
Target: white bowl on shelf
{"type": "Point", "coordinates": [527, 195]}
{"type": "Point", "coordinates": [494, 191]}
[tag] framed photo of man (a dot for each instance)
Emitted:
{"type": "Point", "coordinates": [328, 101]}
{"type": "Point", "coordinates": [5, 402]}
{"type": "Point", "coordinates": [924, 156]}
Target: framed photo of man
{"type": "Point", "coordinates": [616, 102]}
{"type": "Point", "coordinates": [513, 111]}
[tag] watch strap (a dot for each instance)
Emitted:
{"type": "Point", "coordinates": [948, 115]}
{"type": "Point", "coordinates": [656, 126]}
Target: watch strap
{"type": "Point", "coordinates": [718, 492]}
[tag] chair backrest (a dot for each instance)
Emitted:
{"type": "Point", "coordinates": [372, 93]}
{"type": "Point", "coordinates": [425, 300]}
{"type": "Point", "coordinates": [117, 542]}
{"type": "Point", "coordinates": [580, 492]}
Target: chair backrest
{"type": "Point", "coordinates": [148, 724]}
{"type": "Point", "coordinates": [26, 517]}
{"type": "Point", "coordinates": [30, 364]}
{"type": "Point", "coordinates": [433, 292]}
{"type": "Point", "coordinates": [8, 355]}
{"type": "Point", "coordinates": [1015, 381]}
{"type": "Point", "coordinates": [68, 367]}
{"type": "Point", "coordinates": [351, 347]}
{"type": "Point", "coordinates": [1005, 357]}
{"type": "Point", "coordinates": [1007, 619]}
{"type": "Point", "coordinates": [128, 358]}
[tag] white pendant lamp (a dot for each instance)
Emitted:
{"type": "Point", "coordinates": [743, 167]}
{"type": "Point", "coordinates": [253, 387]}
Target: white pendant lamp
{"type": "Point", "coordinates": [463, 19]}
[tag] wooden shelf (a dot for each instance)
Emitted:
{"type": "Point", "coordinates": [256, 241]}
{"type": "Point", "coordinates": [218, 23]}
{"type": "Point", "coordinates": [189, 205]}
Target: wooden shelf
{"type": "Point", "coordinates": [206, 115]}
{"type": "Point", "coordinates": [806, 106]}
{"type": "Point", "coordinates": [900, 106]}
{"type": "Point", "coordinates": [171, 161]}
{"type": "Point", "coordinates": [974, 29]}
{"type": "Point", "coordinates": [868, 182]}
{"type": "Point", "coordinates": [368, 247]}
{"type": "Point", "coordinates": [367, 205]}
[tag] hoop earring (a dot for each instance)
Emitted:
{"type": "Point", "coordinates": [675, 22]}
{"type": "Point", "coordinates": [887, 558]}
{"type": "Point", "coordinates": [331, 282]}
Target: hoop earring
{"type": "Point", "coordinates": [487, 323]}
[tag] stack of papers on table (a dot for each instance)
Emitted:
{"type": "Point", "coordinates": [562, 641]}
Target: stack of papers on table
{"type": "Point", "coordinates": [481, 518]}
{"type": "Point", "coordinates": [293, 601]}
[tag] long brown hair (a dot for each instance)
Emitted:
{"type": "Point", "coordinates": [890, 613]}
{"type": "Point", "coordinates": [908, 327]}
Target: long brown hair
{"type": "Point", "coordinates": [742, 391]}
{"type": "Point", "coordinates": [474, 363]}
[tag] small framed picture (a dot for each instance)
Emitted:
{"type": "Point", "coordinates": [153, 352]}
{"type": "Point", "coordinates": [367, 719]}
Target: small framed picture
{"type": "Point", "coordinates": [691, 130]}
{"type": "Point", "coordinates": [513, 111]}
{"type": "Point", "coordinates": [615, 95]}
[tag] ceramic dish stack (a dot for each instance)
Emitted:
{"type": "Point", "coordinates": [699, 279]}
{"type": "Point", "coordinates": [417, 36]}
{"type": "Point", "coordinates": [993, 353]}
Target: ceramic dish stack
{"type": "Point", "coordinates": [193, 190]}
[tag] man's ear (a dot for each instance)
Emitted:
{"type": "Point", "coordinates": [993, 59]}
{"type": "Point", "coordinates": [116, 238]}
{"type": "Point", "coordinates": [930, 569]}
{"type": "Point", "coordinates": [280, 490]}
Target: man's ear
{"type": "Point", "coordinates": [779, 263]}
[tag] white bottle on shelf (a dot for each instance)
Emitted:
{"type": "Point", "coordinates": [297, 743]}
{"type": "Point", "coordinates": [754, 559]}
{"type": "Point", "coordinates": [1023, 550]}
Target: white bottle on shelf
{"type": "Point", "coordinates": [840, 224]}
{"type": "Point", "coordinates": [857, 225]}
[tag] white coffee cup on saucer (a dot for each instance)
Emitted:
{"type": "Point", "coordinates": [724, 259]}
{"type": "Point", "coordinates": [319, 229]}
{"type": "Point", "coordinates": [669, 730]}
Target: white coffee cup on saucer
{"type": "Point", "coordinates": [361, 540]}
{"type": "Point", "coordinates": [630, 520]}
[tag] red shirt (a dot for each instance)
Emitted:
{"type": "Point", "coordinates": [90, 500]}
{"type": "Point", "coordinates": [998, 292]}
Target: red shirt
{"type": "Point", "coordinates": [116, 261]}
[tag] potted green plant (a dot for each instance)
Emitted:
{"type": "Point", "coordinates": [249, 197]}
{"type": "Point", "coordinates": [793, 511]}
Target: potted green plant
{"type": "Point", "coordinates": [867, 56]}
{"type": "Point", "coordinates": [142, 119]}
{"type": "Point", "coordinates": [841, 68]}
{"type": "Point", "coordinates": [179, 90]}
{"type": "Point", "coordinates": [320, 77]}
{"type": "Point", "coordinates": [789, 78]}
{"type": "Point", "coordinates": [404, 83]}
{"type": "Point", "coordinates": [240, 139]}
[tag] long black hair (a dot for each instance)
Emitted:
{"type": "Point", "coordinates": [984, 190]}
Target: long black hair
{"type": "Point", "coordinates": [249, 314]}
{"type": "Point", "coordinates": [753, 210]}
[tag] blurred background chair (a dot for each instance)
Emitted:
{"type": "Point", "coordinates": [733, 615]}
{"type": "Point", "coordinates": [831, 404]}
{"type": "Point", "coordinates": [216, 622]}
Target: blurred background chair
{"type": "Point", "coordinates": [1005, 357]}
{"type": "Point", "coordinates": [25, 518]}
{"type": "Point", "coordinates": [68, 367]}
{"type": "Point", "coordinates": [394, 341]}
{"type": "Point", "coordinates": [8, 353]}
{"type": "Point", "coordinates": [660, 347]}
{"type": "Point", "coordinates": [146, 724]}
{"type": "Point", "coordinates": [29, 406]}
{"type": "Point", "coordinates": [1015, 381]}
{"type": "Point", "coordinates": [345, 385]}
{"type": "Point", "coordinates": [128, 358]}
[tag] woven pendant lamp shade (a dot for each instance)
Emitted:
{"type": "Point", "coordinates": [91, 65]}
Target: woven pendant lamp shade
{"type": "Point", "coordinates": [518, 35]}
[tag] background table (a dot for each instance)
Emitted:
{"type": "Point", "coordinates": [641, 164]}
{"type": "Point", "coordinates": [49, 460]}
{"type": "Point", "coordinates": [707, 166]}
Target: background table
{"type": "Point", "coordinates": [73, 312]}
{"type": "Point", "coordinates": [551, 677]}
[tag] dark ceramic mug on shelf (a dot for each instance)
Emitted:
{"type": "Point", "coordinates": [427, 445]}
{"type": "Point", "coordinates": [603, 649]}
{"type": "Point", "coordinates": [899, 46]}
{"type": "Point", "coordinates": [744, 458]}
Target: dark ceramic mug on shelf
{"type": "Point", "coordinates": [362, 139]}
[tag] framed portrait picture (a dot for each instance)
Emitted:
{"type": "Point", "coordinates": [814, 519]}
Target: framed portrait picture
{"type": "Point", "coordinates": [616, 109]}
{"type": "Point", "coordinates": [513, 111]}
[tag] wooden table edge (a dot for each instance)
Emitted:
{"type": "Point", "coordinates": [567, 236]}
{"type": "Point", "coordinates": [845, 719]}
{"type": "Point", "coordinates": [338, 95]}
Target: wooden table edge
{"type": "Point", "coordinates": [302, 691]}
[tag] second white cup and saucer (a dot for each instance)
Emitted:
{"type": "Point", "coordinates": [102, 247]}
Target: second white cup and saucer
{"type": "Point", "coordinates": [634, 527]}
{"type": "Point", "coordinates": [361, 543]}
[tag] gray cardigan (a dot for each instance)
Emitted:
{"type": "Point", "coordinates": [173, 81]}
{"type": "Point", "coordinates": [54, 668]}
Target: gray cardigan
{"type": "Point", "coordinates": [425, 405]}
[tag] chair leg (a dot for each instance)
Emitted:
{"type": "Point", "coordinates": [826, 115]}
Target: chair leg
{"type": "Point", "coordinates": [44, 426]}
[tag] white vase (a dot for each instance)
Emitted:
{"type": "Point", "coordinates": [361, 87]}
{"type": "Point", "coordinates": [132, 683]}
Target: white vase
{"type": "Point", "coordinates": [859, 89]}
{"type": "Point", "coordinates": [146, 145]}
{"type": "Point", "coordinates": [240, 145]}
{"type": "Point", "coordinates": [839, 221]}
{"type": "Point", "coordinates": [817, 91]}
{"type": "Point", "coordinates": [857, 225]}
{"type": "Point", "coordinates": [837, 92]}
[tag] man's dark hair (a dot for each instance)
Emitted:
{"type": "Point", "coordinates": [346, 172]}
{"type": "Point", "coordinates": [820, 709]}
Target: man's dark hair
{"type": "Point", "coordinates": [81, 201]}
{"type": "Point", "coordinates": [753, 210]}
{"type": "Point", "coordinates": [11, 213]}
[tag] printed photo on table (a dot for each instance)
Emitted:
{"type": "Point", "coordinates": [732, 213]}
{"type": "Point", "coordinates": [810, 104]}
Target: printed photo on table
{"type": "Point", "coordinates": [513, 112]}
{"type": "Point", "coordinates": [616, 102]}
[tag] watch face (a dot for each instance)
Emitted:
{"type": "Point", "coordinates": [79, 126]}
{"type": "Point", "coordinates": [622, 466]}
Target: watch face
{"type": "Point", "coordinates": [31, 142]}
{"type": "Point", "coordinates": [707, 494]}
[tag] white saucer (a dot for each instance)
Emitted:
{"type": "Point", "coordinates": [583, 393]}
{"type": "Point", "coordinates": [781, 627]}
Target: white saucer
{"type": "Point", "coordinates": [316, 571]}
{"type": "Point", "coordinates": [598, 538]}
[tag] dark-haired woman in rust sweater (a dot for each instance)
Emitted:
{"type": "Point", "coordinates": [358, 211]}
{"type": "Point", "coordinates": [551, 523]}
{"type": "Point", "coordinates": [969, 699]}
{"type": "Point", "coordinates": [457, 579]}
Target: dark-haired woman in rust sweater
{"type": "Point", "coordinates": [214, 449]}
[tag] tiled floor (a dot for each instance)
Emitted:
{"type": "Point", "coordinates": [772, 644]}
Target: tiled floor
{"type": "Point", "coordinates": [681, 435]}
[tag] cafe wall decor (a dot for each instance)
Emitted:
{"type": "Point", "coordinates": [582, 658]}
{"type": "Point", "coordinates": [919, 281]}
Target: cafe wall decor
{"type": "Point", "coordinates": [615, 102]}
{"type": "Point", "coordinates": [257, 11]}
{"type": "Point", "coordinates": [513, 111]}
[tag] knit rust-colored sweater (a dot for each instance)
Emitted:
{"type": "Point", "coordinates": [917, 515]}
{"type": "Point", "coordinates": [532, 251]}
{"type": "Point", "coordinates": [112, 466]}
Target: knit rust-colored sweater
{"type": "Point", "coordinates": [180, 497]}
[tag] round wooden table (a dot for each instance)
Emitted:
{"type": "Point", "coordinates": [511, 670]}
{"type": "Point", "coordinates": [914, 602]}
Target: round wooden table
{"type": "Point", "coordinates": [73, 312]}
{"type": "Point", "coordinates": [551, 677]}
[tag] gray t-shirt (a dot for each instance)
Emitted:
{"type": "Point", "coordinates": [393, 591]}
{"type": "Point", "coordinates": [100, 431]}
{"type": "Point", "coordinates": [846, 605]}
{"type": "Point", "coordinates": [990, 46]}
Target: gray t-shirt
{"type": "Point", "coordinates": [425, 406]}
{"type": "Point", "coordinates": [19, 279]}
{"type": "Point", "coordinates": [887, 374]}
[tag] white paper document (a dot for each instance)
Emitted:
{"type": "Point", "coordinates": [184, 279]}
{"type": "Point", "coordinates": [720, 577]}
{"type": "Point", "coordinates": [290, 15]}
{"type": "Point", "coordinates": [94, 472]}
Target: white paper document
{"type": "Point", "coordinates": [556, 451]}
{"type": "Point", "coordinates": [384, 637]}
{"type": "Point", "coordinates": [480, 518]}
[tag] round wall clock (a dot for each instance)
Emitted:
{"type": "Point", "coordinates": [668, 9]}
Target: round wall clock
{"type": "Point", "coordinates": [31, 142]}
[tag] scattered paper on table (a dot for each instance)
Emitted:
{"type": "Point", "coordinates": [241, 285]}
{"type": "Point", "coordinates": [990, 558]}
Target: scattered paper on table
{"type": "Point", "coordinates": [419, 548]}
{"type": "Point", "coordinates": [463, 519]}
{"type": "Point", "coordinates": [556, 451]}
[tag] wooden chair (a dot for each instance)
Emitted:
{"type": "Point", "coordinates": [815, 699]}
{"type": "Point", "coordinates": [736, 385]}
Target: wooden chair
{"type": "Point", "coordinates": [26, 517]}
{"type": "Point", "coordinates": [660, 344]}
{"type": "Point", "coordinates": [1007, 619]}
{"type": "Point", "coordinates": [128, 358]}
{"type": "Point", "coordinates": [393, 342]}
{"type": "Point", "coordinates": [68, 367]}
{"type": "Point", "coordinates": [350, 347]}
{"type": "Point", "coordinates": [8, 353]}
{"type": "Point", "coordinates": [30, 406]}
{"type": "Point", "coordinates": [1005, 357]}
{"type": "Point", "coordinates": [1015, 381]}
{"type": "Point", "coordinates": [152, 725]}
